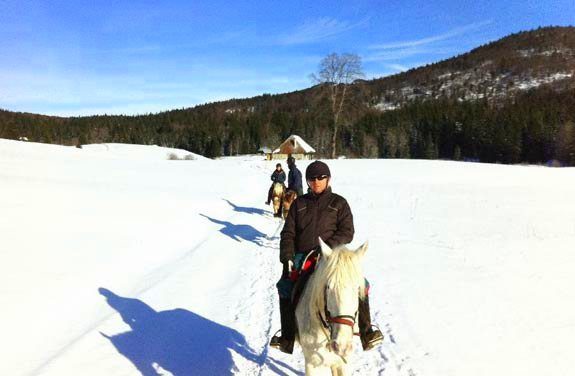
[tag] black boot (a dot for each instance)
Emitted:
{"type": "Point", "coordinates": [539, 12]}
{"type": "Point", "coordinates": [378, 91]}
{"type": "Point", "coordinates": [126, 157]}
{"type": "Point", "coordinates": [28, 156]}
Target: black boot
{"type": "Point", "coordinates": [369, 337]}
{"type": "Point", "coordinates": [285, 342]}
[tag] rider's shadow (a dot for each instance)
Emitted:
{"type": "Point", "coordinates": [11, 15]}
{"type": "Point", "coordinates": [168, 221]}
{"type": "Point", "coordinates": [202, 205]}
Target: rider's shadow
{"type": "Point", "coordinates": [178, 341]}
{"type": "Point", "coordinates": [245, 209]}
{"type": "Point", "coordinates": [240, 232]}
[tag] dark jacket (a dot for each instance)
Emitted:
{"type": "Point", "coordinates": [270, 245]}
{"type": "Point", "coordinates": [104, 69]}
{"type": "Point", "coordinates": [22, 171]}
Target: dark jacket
{"type": "Point", "coordinates": [278, 177]}
{"type": "Point", "coordinates": [327, 216]}
{"type": "Point", "coordinates": [294, 180]}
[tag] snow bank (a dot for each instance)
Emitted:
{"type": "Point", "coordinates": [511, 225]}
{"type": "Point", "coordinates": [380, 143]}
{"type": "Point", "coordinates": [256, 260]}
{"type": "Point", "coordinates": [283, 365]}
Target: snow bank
{"type": "Point", "coordinates": [115, 265]}
{"type": "Point", "coordinates": [142, 152]}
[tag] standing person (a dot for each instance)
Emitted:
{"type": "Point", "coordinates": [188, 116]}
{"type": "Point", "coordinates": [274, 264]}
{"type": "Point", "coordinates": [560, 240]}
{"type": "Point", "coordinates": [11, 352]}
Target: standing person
{"type": "Point", "coordinates": [294, 177]}
{"type": "Point", "coordinates": [278, 176]}
{"type": "Point", "coordinates": [319, 213]}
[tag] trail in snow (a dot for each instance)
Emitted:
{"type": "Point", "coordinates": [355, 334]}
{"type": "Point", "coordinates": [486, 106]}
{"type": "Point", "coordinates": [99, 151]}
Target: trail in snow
{"type": "Point", "coordinates": [255, 309]}
{"type": "Point", "coordinates": [137, 266]}
{"type": "Point", "coordinates": [258, 317]}
{"type": "Point", "coordinates": [255, 314]}
{"type": "Point", "coordinates": [258, 314]}
{"type": "Point", "coordinates": [152, 280]}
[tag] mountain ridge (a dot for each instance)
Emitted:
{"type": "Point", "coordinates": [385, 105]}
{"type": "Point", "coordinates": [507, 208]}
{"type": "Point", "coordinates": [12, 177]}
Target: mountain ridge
{"type": "Point", "coordinates": [405, 115]}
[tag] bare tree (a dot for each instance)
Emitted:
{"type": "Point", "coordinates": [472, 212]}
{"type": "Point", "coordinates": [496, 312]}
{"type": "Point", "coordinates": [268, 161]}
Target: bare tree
{"type": "Point", "coordinates": [337, 72]}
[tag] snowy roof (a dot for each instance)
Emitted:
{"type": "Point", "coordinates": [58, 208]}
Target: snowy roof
{"type": "Point", "coordinates": [294, 144]}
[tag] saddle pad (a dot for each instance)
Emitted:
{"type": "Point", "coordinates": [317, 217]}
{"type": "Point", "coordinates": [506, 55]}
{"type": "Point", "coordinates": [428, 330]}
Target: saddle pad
{"type": "Point", "coordinates": [301, 275]}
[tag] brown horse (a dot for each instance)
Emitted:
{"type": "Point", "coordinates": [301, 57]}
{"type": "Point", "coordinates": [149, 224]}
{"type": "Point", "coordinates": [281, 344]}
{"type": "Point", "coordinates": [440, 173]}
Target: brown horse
{"type": "Point", "coordinates": [278, 193]}
{"type": "Point", "coordinates": [289, 198]}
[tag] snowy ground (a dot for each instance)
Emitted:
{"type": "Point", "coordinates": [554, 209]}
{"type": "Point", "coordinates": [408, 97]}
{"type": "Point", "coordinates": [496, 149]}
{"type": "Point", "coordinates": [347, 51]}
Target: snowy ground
{"type": "Point", "coordinates": [117, 261]}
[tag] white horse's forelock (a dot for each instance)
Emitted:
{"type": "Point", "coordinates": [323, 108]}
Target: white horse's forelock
{"type": "Point", "coordinates": [342, 268]}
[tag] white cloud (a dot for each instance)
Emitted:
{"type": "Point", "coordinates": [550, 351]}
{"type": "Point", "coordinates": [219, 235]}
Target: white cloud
{"type": "Point", "coordinates": [76, 93]}
{"type": "Point", "coordinates": [428, 40]}
{"type": "Point", "coordinates": [398, 67]}
{"type": "Point", "coordinates": [393, 55]}
{"type": "Point", "coordinates": [317, 30]}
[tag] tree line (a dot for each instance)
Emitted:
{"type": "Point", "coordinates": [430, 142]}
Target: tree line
{"type": "Point", "coordinates": [340, 113]}
{"type": "Point", "coordinates": [537, 127]}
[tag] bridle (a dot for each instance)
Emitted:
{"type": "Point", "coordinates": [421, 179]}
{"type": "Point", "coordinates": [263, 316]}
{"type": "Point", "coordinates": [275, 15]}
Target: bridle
{"type": "Point", "coordinates": [329, 319]}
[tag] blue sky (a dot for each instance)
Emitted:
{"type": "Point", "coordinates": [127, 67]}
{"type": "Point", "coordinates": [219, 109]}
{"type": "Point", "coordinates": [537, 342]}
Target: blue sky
{"type": "Point", "coordinates": [87, 57]}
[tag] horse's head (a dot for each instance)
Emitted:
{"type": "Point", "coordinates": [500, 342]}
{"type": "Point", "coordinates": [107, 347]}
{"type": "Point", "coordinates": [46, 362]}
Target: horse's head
{"type": "Point", "coordinates": [342, 272]}
{"type": "Point", "coordinates": [289, 198]}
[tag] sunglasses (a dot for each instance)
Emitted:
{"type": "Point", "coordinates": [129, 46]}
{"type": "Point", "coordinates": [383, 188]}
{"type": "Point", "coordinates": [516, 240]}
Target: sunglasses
{"type": "Point", "coordinates": [321, 177]}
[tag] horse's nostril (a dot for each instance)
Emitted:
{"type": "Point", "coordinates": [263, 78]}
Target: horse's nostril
{"type": "Point", "coordinates": [335, 346]}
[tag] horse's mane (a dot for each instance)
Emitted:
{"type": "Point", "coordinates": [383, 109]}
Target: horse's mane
{"type": "Point", "coordinates": [342, 268]}
{"type": "Point", "coordinates": [278, 189]}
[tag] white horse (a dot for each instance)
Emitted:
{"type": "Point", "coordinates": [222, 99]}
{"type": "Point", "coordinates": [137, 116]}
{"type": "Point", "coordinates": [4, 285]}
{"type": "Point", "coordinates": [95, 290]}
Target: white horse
{"type": "Point", "coordinates": [327, 311]}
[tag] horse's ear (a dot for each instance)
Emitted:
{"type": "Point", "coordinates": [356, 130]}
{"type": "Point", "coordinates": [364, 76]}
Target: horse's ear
{"type": "Point", "coordinates": [325, 249]}
{"type": "Point", "coordinates": [361, 250]}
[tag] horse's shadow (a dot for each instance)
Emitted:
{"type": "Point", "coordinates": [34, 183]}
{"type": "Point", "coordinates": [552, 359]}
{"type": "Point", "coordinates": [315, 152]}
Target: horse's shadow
{"type": "Point", "coordinates": [178, 341]}
{"type": "Point", "coordinates": [239, 232]}
{"type": "Point", "coordinates": [245, 209]}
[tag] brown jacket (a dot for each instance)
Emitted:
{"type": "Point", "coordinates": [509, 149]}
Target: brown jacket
{"type": "Point", "coordinates": [327, 216]}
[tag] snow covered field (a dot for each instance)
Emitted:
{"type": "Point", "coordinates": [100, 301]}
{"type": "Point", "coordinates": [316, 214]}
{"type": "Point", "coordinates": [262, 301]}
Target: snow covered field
{"type": "Point", "coordinates": [117, 261]}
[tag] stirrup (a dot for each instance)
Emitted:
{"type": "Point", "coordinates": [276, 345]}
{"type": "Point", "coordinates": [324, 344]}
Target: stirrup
{"type": "Point", "coordinates": [371, 338]}
{"type": "Point", "coordinates": [275, 341]}
{"type": "Point", "coordinates": [282, 344]}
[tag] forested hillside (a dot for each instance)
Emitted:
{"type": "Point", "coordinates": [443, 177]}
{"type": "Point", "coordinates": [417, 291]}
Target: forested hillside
{"type": "Point", "coordinates": [511, 101]}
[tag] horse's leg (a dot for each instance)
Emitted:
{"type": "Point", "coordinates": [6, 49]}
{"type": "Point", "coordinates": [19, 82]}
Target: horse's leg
{"type": "Point", "coordinates": [276, 206]}
{"type": "Point", "coordinates": [313, 366]}
{"type": "Point", "coordinates": [340, 370]}
{"type": "Point", "coordinates": [311, 370]}
{"type": "Point", "coordinates": [285, 206]}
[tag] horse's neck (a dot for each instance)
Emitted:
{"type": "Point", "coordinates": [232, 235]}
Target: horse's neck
{"type": "Point", "coordinates": [306, 295]}
{"type": "Point", "coordinates": [307, 308]}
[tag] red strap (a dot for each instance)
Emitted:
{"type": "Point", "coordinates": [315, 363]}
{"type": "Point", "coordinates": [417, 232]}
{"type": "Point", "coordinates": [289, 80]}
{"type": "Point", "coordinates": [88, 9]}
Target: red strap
{"type": "Point", "coordinates": [340, 320]}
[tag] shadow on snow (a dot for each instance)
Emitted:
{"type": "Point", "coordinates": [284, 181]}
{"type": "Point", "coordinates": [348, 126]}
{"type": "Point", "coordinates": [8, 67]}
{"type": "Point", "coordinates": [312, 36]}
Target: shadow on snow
{"type": "Point", "coordinates": [239, 232]}
{"type": "Point", "coordinates": [179, 341]}
{"type": "Point", "coordinates": [244, 209]}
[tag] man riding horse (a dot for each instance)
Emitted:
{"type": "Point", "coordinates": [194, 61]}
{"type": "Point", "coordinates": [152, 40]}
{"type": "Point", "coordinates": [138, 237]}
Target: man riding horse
{"type": "Point", "coordinates": [319, 213]}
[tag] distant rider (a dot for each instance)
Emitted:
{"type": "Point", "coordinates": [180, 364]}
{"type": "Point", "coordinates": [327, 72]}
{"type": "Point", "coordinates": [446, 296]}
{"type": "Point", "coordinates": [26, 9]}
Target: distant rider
{"type": "Point", "coordinates": [294, 177]}
{"type": "Point", "coordinates": [278, 176]}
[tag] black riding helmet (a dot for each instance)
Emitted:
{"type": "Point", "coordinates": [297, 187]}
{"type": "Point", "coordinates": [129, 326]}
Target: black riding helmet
{"type": "Point", "coordinates": [315, 169]}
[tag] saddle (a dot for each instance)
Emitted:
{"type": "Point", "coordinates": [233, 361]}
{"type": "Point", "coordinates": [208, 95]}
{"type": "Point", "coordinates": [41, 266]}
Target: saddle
{"type": "Point", "coordinates": [301, 275]}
